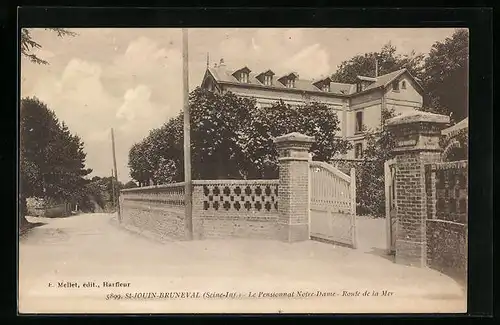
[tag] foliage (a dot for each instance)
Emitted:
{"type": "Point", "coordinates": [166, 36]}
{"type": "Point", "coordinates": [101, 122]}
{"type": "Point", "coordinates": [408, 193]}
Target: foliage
{"type": "Point", "coordinates": [28, 44]}
{"type": "Point", "coordinates": [312, 119]}
{"type": "Point", "coordinates": [219, 131]}
{"type": "Point", "coordinates": [52, 160]}
{"type": "Point", "coordinates": [456, 147]}
{"type": "Point", "coordinates": [370, 188]}
{"type": "Point", "coordinates": [158, 158]}
{"type": "Point", "coordinates": [231, 138]}
{"type": "Point", "coordinates": [388, 61]}
{"type": "Point", "coordinates": [446, 76]}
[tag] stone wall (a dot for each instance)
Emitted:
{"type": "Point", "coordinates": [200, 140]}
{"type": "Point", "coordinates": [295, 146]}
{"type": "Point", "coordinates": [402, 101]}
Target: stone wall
{"type": "Point", "coordinates": [38, 207]}
{"type": "Point", "coordinates": [431, 197]}
{"type": "Point", "coordinates": [235, 209]}
{"type": "Point", "coordinates": [154, 211]}
{"type": "Point", "coordinates": [447, 198]}
{"type": "Point", "coordinates": [265, 209]}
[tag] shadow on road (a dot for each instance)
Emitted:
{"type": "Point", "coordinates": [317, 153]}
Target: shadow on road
{"type": "Point", "coordinates": [25, 228]}
{"type": "Point", "coordinates": [381, 253]}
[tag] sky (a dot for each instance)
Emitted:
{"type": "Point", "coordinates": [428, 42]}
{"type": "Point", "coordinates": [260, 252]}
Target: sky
{"type": "Point", "coordinates": [130, 79]}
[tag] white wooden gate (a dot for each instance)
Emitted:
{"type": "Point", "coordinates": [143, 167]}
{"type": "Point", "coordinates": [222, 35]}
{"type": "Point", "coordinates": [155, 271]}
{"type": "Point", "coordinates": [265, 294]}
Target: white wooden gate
{"type": "Point", "coordinates": [390, 205]}
{"type": "Point", "coordinates": [332, 205]}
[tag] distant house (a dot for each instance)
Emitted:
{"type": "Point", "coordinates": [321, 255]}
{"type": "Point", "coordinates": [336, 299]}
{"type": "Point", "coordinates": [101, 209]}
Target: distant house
{"type": "Point", "coordinates": [357, 105]}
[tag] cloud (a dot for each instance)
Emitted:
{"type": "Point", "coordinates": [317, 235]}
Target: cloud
{"type": "Point", "coordinates": [145, 62]}
{"type": "Point", "coordinates": [280, 49]}
{"type": "Point", "coordinates": [311, 62]}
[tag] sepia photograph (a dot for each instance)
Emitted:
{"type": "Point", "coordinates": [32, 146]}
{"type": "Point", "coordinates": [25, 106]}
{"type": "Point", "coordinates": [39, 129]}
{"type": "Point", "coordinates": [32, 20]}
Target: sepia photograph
{"type": "Point", "coordinates": [243, 170]}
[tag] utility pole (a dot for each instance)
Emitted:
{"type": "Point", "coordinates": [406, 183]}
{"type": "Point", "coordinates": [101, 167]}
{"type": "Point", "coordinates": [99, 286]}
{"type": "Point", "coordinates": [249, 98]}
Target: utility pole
{"type": "Point", "coordinates": [187, 139]}
{"type": "Point", "coordinates": [376, 66]}
{"type": "Point", "coordinates": [112, 186]}
{"type": "Point", "coordinates": [115, 178]}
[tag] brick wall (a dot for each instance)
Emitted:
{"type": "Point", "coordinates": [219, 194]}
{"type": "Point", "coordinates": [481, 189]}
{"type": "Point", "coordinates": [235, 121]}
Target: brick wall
{"type": "Point", "coordinates": [154, 211]}
{"type": "Point", "coordinates": [447, 198]}
{"type": "Point", "coordinates": [265, 209]}
{"type": "Point", "coordinates": [293, 220]}
{"type": "Point", "coordinates": [235, 209]}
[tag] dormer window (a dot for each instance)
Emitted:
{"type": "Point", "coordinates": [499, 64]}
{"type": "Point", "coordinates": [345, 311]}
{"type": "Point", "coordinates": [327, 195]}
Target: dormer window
{"type": "Point", "coordinates": [364, 82]}
{"type": "Point", "coordinates": [268, 80]}
{"type": "Point", "coordinates": [323, 84]}
{"type": "Point", "coordinates": [244, 77]}
{"type": "Point", "coordinates": [289, 80]}
{"type": "Point", "coordinates": [395, 86]}
{"type": "Point", "coordinates": [403, 84]}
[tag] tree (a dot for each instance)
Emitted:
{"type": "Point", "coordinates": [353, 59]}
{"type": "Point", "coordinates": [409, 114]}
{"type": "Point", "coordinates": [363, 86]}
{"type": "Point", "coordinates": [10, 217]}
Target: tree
{"type": "Point", "coordinates": [28, 44]}
{"type": "Point", "coordinates": [218, 134]}
{"type": "Point", "coordinates": [370, 178]}
{"type": "Point", "coordinates": [313, 119]}
{"type": "Point", "coordinates": [52, 160]}
{"type": "Point", "coordinates": [388, 61]}
{"type": "Point", "coordinates": [130, 184]}
{"type": "Point", "coordinates": [446, 76]}
{"type": "Point", "coordinates": [231, 138]}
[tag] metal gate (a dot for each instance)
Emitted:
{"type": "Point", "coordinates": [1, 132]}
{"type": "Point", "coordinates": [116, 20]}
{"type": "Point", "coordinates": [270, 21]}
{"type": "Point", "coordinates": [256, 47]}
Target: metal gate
{"type": "Point", "coordinates": [390, 205]}
{"type": "Point", "coordinates": [332, 205]}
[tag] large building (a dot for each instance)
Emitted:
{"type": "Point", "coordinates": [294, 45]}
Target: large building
{"type": "Point", "coordinates": [357, 105]}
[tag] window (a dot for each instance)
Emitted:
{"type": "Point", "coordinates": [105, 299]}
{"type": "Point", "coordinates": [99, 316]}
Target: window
{"type": "Point", "coordinates": [268, 80]}
{"type": "Point", "coordinates": [403, 84]}
{"type": "Point", "coordinates": [395, 86]}
{"type": "Point", "coordinates": [244, 77]}
{"type": "Point", "coordinates": [358, 87]}
{"type": "Point", "coordinates": [290, 83]}
{"type": "Point", "coordinates": [326, 87]}
{"type": "Point", "coordinates": [358, 151]}
{"type": "Point", "coordinates": [359, 122]}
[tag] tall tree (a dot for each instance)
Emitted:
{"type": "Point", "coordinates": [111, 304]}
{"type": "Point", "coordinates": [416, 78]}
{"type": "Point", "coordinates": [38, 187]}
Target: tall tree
{"type": "Point", "coordinates": [388, 60]}
{"type": "Point", "coordinates": [446, 76]}
{"type": "Point", "coordinates": [52, 160]}
{"type": "Point", "coordinates": [218, 133]}
{"type": "Point", "coordinates": [313, 119]}
{"type": "Point", "coordinates": [28, 44]}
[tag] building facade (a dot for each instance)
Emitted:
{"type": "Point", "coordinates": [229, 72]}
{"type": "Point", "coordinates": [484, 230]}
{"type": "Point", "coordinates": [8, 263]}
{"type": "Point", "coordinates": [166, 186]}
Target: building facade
{"type": "Point", "coordinates": [359, 106]}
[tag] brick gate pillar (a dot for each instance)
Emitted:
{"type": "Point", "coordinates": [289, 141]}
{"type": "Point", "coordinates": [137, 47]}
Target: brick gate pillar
{"type": "Point", "coordinates": [417, 143]}
{"type": "Point", "coordinates": [293, 188]}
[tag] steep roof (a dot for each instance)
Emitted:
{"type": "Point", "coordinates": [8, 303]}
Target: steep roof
{"type": "Point", "coordinates": [223, 75]}
{"type": "Point", "coordinates": [386, 79]}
